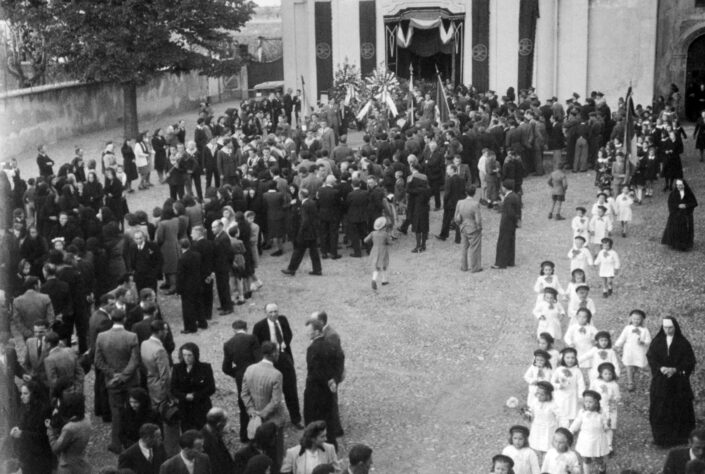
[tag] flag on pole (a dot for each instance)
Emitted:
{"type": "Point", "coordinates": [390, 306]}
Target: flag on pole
{"type": "Point", "coordinates": [441, 100]}
{"type": "Point", "coordinates": [304, 106]}
{"type": "Point", "coordinates": [629, 133]}
{"type": "Point", "coordinates": [410, 105]}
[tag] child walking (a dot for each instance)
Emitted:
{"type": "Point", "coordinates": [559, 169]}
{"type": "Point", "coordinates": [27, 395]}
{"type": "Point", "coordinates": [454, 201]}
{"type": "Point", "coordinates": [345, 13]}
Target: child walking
{"type": "Point", "coordinates": [592, 427]}
{"type": "Point", "coordinates": [581, 336]}
{"type": "Point", "coordinates": [545, 415]}
{"type": "Point", "coordinates": [599, 354]}
{"type": "Point", "coordinates": [582, 301]}
{"type": "Point", "coordinates": [558, 182]}
{"type": "Point", "coordinates": [525, 459]}
{"type": "Point", "coordinates": [540, 371]}
{"type": "Point", "coordinates": [546, 344]}
{"type": "Point", "coordinates": [547, 279]}
{"type": "Point", "coordinates": [579, 224]}
{"type": "Point", "coordinates": [579, 256]}
{"type": "Point", "coordinates": [608, 262]}
{"type": "Point", "coordinates": [635, 340]}
{"type": "Point", "coordinates": [577, 278]}
{"type": "Point", "coordinates": [623, 207]}
{"type": "Point", "coordinates": [600, 226]}
{"type": "Point", "coordinates": [569, 383]}
{"type": "Point", "coordinates": [606, 385]}
{"type": "Point", "coordinates": [379, 253]}
{"type": "Point", "coordinates": [561, 458]}
{"type": "Point", "coordinates": [549, 313]}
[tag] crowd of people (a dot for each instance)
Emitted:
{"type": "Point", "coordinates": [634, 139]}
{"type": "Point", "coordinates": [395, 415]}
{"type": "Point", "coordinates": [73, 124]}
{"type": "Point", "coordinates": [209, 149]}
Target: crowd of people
{"type": "Point", "coordinates": [81, 268]}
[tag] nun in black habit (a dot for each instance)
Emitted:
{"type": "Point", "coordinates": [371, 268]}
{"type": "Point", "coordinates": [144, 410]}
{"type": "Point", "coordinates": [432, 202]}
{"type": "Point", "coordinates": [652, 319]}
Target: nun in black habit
{"type": "Point", "coordinates": [679, 233]}
{"type": "Point", "coordinates": [671, 360]}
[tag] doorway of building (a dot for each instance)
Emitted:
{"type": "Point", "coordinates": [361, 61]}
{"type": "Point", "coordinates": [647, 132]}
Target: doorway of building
{"type": "Point", "coordinates": [695, 78]}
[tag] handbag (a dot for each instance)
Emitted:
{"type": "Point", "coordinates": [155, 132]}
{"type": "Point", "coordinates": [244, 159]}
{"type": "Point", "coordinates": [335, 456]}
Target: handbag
{"type": "Point", "coordinates": [169, 411]}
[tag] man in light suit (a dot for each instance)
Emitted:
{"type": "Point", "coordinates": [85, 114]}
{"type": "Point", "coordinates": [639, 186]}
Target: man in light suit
{"type": "Point", "coordinates": [37, 351]}
{"type": "Point", "coordinates": [64, 373]}
{"type": "Point", "coordinates": [191, 443]}
{"type": "Point", "coordinates": [31, 306]}
{"type": "Point", "coordinates": [240, 352]}
{"type": "Point", "coordinates": [275, 328]}
{"type": "Point", "coordinates": [156, 364]}
{"type": "Point", "coordinates": [468, 218]}
{"type": "Point", "coordinates": [147, 454]}
{"type": "Point", "coordinates": [327, 137]}
{"type": "Point", "coordinates": [262, 393]}
{"type": "Point", "coordinates": [117, 357]}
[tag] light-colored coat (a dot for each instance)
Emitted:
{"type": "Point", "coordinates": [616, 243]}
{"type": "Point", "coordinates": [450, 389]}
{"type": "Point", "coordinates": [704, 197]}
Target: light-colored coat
{"type": "Point", "coordinates": [63, 370]}
{"type": "Point", "coordinates": [29, 307]}
{"type": "Point", "coordinates": [155, 362]}
{"type": "Point", "coordinates": [296, 463]}
{"type": "Point", "coordinates": [262, 393]}
{"type": "Point", "coordinates": [70, 446]}
{"type": "Point", "coordinates": [117, 354]}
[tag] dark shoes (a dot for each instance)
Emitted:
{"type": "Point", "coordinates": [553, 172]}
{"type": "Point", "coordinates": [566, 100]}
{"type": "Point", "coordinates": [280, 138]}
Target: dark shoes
{"type": "Point", "coordinates": [559, 217]}
{"type": "Point", "coordinates": [315, 273]}
{"type": "Point", "coordinates": [439, 237]}
{"type": "Point", "coordinates": [497, 267]}
{"type": "Point", "coordinates": [324, 256]}
{"type": "Point", "coordinates": [335, 257]}
{"type": "Point", "coordinates": [277, 253]}
{"type": "Point", "coordinates": [374, 285]}
{"type": "Point", "coordinates": [286, 271]}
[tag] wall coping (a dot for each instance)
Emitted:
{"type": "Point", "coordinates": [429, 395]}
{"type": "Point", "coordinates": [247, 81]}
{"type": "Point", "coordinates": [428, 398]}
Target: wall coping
{"type": "Point", "coordinates": [40, 89]}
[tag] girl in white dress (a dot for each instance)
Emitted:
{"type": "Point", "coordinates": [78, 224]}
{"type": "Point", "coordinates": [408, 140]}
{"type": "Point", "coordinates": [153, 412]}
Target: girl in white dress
{"type": "Point", "coordinates": [525, 459]}
{"type": "Point", "coordinates": [635, 339]}
{"type": "Point", "coordinates": [581, 336]}
{"type": "Point", "coordinates": [600, 226]}
{"type": "Point", "coordinates": [539, 371]}
{"type": "Point", "coordinates": [623, 207]}
{"type": "Point", "coordinates": [579, 255]}
{"type": "Point", "coordinates": [579, 224]}
{"type": "Point", "coordinates": [544, 414]}
{"type": "Point", "coordinates": [547, 279]}
{"type": "Point", "coordinates": [577, 278]}
{"type": "Point", "coordinates": [592, 440]}
{"type": "Point", "coordinates": [606, 385]}
{"type": "Point", "coordinates": [608, 262]}
{"type": "Point", "coordinates": [582, 301]}
{"type": "Point", "coordinates": [546, 344]}
{"type": "Point", "coordinates": [569, 383]}
{"type": "Point", "coordinates": [549, 313]}
{"type": "Point", "coordinates": [599, 354]}
{"type": "Point", "coordinates": [561, 459]}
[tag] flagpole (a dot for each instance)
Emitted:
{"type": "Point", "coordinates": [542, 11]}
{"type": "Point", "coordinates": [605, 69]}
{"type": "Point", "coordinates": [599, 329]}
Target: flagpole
{"type": "Point", "coordinates": [411, 93]}
{"type": "Point", "coordinates": [303, 98]}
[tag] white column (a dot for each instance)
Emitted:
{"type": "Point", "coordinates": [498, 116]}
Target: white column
{"type": "Point", "coordinates": [544, 51]}
{"type": "Point", "coordinates": [310, 52]}
{"type": "Point", "coordinates": [572, 61]}
{"type": "Point", "coordinates": [381, 35]}
{"type": "Point", "coordinates": [504, 45]}
{"type": "Point", "coordinates": [289, 44]}
{"type": "Point", "coordinates": [346, 33]}
{"type": "Point", "coordinates": [467, 46]}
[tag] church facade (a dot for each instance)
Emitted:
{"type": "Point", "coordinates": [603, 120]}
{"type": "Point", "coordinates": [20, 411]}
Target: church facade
{"type": "Point", "coordinates": [559, 47]}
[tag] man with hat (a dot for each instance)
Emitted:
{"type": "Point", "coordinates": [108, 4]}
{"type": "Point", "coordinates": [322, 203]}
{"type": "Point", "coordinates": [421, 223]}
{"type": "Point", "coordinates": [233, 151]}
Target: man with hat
{"type": "Point", "coordinates": [510, 220]}
{"type": "Point", "coordinates": [239, 352]}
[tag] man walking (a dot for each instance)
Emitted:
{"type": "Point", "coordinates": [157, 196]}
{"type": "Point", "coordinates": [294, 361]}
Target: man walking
{"type": "Point", "coordinates": [468, 218]}
{"type": "Point", "coordinates": [306, 237]}
{"type": "Point", "coordinates": [275, 328]}
{"type": "Point", "coordinates": [240, 352]}
{"type": "Point", "coordinates": [452, 193]}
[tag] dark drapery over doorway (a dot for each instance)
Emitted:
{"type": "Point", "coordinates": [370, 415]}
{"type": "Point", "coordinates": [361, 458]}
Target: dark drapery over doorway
{"type": "Point", "coordinates": [695, 75]}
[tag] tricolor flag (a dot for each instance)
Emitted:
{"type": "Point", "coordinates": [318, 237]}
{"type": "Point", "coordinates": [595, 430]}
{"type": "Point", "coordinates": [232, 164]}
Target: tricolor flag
{"type": "Point", "coordinates": [441, 101]}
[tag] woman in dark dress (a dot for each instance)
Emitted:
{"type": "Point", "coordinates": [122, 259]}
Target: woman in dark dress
{"type": "Point", "coordinates": [679, 233]}
{"type": "Point", "coordinates": [419, 191]}
{"type": "Point", "coordinates": [508, 223]}
{"type": "Point", "coordinates": [192, 384]}
{"type": "Point", "coordinates": [30, 434]}
{"type": "Point", "coordinates": [699, 135]}
{"type": "Point", "coordinates": [671, 148]}
{"type": "Point", "coordinates": [136, 412]}
{"type": "Point", "coordinates": [161, 162]}
{"type": "Point", "coordinates": [35, 249]}
{"type": "Point", "coordinates": [92, 194]}
{"type": "Point", "coordinates": [116, 249]}
{"type": "Point", "coordinates": [671, 360]}
{"type": "Point", "coordinates": [113, 195]}
{"type": "Point", "coordinates": [128, 163]}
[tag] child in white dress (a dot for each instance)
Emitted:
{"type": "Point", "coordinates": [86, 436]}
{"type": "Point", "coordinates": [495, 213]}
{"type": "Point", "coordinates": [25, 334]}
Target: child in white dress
{"type": "Point", "coordinates": [582, 301]}
{"type": "Point", "coordinates": [577, 278]}
{"type": "Point", "coordinates": [561, 459]}
{"type": "Point", "coordinates": [569, 384]}
{"type": "Point", "coordinates": [600, 226]}
{"type": "Point", "coordinates": [599, 354]}
{"type": "Point", "coordinates": [592, 427]}
{"type": "Point", "coordinates": [545, 415]}
{"type": "Point", "coordinates": [635, 340]}
{"type": "Point", "coordinates": [525, 459]}
{"type": "Point", "coordinates": [606, 385]}
{"type": "Point", "coordinates": [608, 262]}
{"type": "Point", "coordinates": [601, 201]}
{"type": "Point", "coordinates": [502, 464]}
{"type": "Point", "coordinates": [623, 208]}
{"type": "Point", "coordinates": [546, 344]}
{"type": "Point", "coordinates": [579, 224]}
{"type": "Point", "coordinates": [539, 371]}
{"type": "Point", "coordinates": [579, 255]}
{"type": "Point", "coordinates": [549, 314]}
{"type": "Point", "coordinates": [547, 279]}
{"type": "Point", "coordinates": [581, 336]}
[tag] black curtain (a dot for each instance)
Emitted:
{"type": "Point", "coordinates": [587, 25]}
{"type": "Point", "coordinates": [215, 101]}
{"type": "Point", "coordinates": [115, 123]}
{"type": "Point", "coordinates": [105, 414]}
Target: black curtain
{"type": "Point", "coordinates": [481, 44]}
{"type": "Point", "coordinates": [528, 14]}
{"type": "Point", "coordinates": [368, 37]}
{"type": "Point", "coordinates": [324, 46]}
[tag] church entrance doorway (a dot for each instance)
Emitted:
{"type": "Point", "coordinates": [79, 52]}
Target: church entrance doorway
{"type": "Point", "coordinates": [695, 78]}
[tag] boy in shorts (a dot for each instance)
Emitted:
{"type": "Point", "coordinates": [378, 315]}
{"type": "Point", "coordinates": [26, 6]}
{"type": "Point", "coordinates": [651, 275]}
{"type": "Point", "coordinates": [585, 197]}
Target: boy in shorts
{"type": "Point", "coordinates": [558, 182]}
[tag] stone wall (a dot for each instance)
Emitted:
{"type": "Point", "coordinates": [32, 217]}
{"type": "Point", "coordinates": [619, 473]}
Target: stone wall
{"type": "Point", "coordinates": [51, 113]}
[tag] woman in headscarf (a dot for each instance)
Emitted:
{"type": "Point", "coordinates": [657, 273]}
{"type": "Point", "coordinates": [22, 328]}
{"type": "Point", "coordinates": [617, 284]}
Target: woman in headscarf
{"type": "Point", "coordinates": [92, 193]}
{"type": "Point", "coordinates": [679, 233]}
{"type": "Point", "coordinates": [671, 360]}
{"type": "Point", "coordinates": [30, 434]}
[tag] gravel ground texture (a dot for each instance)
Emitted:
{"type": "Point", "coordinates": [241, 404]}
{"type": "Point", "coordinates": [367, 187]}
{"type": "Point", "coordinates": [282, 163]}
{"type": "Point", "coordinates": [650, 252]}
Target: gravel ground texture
{"type": "Point", "coordinates": [432, 357]}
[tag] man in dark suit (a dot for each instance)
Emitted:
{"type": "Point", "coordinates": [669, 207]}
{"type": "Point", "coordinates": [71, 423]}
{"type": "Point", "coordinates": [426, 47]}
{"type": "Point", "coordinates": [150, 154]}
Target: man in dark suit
{"type": "Point", "coordinates": [44, 163]}
{"type": "Point", "coordinates": [213, 443]}
{"type": "Point", "coordinates": [329, 211]}
{"type": "Point", "coordinates": [223, 259]}
{"type": "Point", "coordinates": [332, 336]}
{"type": "Point", "coordinates": [275, 328]}
{"type": "Point", "coordinates": [37, 351]}
{"type": "Point", "coordinates": [100, 321]}
{"type": "Point", "coordinates": [357, 203]}
{"type": "Point", "coordinates": [147, 454]}
{"type": "Point", "coordinates": [117, 357]}
{"type": "Point", "coordinates": [511, 215]}
{"type": "Point", "coordinates": [321, 380]}
{"type": "Point", "coordinates": [143, 328]}
{"type": "Point", "coordinates": [678, 458]}
{"type": "Point", "coordinates": [200, 134]}
{"type": "Point", "coordinates": [306, 237]}
{"type": "Point", "coordinates": [241, 351]}
{"type": "Point", "coordinates": [288, 104]}
{"type": "Point", "coordinates": [191, 443]}
{"type": "Point", "coordinates": [206, 250]}
{"type": "Point", "coordinates": [145, 260]}
{"type": "Point", "coordinates": [188, 286]}
{"type": "Point", "coordinates": [454, 191]}
{"type": "Point", "coordinates": [67, 271]}
{"type": "Point", "coordinates": [60, 295]}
